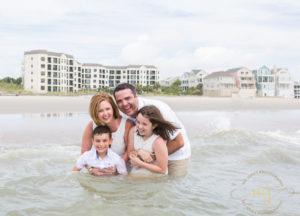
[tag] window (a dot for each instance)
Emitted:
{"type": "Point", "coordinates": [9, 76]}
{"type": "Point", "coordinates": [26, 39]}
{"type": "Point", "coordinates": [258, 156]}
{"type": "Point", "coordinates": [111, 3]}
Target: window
{"type": "Point", "coordinates": [42, 80]}
{"type": "Point", "coordinates": [54, 74]}
{"type": "Point", "coordinates": [49, 88]}
{"type": "Point", "coordinates": [42, 65]}
{"type": "Point", "coordinates": [55, 60]}
{"type": "Point", "coordinates": [42, 87]}
{"type": "Point", "coordinates": [49, 59]}
{"type": "Point", "coordinates": [49, 67]}
{"type": "Point", "coordinates": [43, 73]}
{"type": "Point", "coordinates": [49, 74]}
{"type": "Point", "coordinates": [49, 81]}
{"type": "Point", "coordinates": [55, 67]}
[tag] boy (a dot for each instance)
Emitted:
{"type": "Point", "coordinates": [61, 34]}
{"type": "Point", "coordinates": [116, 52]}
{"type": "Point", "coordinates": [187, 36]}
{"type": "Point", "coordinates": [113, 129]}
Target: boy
{"type": "Point", "coordinates": [101, 156]}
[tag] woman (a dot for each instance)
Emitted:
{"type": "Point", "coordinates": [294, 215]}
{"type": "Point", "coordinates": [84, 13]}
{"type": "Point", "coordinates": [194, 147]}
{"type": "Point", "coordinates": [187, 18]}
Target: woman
{"type": "Point", "coordinates": [104, 111]}
{"type": "Point", "coordinates": [151, 133]}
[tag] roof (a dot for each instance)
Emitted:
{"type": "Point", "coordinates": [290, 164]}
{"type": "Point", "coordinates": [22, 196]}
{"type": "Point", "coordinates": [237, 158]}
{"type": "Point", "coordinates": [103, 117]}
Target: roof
{"type": "Point", "coordinates": [47, 53]}
{"type": "Point", "coordinates": [218, 74]}
{"type": "Point", "coordinates": [117, 67]}
{"type": "Point", "coordinates": [234, 69]}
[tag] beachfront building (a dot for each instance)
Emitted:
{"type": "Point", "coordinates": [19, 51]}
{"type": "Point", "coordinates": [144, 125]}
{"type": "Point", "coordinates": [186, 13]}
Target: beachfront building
{"type": "Point", "coordinates": [284, 86]}
{"type": "Point", "coordinates": [45, 71]}
{"type": "Point", "coordinates": [168, 81]}
{"type": "Point", "coordinates": [297, 90]}
{"type": "Point", "coordinates": [244, 81]}
{"type": "Point", "coordinates": [192, 79]}
{"type": "Point", "coordinates": [265, 82]}
{"type": "Point", "coordinates": [219, 84]}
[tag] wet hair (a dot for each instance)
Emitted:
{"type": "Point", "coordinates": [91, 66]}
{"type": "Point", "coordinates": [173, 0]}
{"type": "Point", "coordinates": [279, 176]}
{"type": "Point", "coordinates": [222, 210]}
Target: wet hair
{"type": "Point", "coordinates": [94, 107]}
{"type": "Point", "coordinates": [123, 86]}
{"type": "Point", "coordinates": [102, 130]}
{"type": "Point", "coordinates": [163, 127]}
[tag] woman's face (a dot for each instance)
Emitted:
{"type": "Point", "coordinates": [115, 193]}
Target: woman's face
{"type": "Point", "coordinates": [144, 126]}
{"type": "Point", "coordinates": [105, 112]}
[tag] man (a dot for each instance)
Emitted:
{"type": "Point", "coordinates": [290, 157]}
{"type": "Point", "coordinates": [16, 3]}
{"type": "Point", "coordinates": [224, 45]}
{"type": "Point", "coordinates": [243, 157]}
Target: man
{"type": "Point", "coordinates": [179, 149]}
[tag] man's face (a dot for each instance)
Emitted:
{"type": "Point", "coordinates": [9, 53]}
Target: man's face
{"type": "Point", "coordinates": [127, 102]}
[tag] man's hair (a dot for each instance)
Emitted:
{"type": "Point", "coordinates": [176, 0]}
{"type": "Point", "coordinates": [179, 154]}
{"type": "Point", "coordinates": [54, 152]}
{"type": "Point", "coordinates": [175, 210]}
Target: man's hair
{"type": "Point", "coordinates": [123, 86]}
{"type": "Point", "coordinates": [101, 130]}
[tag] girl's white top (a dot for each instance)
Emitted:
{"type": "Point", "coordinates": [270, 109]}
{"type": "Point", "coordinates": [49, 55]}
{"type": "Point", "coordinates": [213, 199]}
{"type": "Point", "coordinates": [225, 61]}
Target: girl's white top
{"type": "Point", "coordinates": [139, 143]}
{"type": "Point", "coordinates": [118, 144]}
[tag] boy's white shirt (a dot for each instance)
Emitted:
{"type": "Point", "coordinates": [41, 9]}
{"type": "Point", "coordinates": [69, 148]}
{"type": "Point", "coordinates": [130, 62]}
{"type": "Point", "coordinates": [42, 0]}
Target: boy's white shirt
{"type": "Point", "coordinates": [111, 159]}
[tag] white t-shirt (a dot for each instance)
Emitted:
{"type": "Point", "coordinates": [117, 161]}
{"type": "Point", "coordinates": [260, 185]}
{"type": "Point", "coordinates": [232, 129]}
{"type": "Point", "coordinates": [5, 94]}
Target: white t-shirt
{"type": "Point", "coordinates": [111, 159]}
{"type": "Point", "coordinates": [169, 115]}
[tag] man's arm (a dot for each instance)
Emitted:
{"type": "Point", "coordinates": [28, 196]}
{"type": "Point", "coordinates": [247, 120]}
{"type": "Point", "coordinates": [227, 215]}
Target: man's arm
{"type": "Point", "coordinates": [175, 144]}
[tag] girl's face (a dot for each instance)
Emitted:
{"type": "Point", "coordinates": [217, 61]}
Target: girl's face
{"type": "Point", "coordinates": [144, 126]}
{"type": "Point", "coordinates": [105, 112]}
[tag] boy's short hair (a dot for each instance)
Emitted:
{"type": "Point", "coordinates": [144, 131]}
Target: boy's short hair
{"type": "Point", "coordinates": [102, 130]}
{"type": "Point", "coordinates": [123, 86]}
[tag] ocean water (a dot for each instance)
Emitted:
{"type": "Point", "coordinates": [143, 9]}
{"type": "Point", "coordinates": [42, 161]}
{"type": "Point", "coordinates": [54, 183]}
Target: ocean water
{"type": "Point", "coordinates": [243, 163]}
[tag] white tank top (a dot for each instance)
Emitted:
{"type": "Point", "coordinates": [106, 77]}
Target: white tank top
{"type": "Point", "coordinates": [139, 143]}
{"type": "Point", "coordinates": [118, 144]}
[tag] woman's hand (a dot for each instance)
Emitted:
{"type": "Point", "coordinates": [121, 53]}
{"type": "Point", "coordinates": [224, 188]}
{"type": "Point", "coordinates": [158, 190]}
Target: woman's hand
{"type": "Point", "coordinates": [145, 156]}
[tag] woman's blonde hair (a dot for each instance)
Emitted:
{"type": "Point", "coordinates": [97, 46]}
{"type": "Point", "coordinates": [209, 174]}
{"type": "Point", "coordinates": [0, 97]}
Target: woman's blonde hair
{"type": "Point", "coordinates": [94, 107]}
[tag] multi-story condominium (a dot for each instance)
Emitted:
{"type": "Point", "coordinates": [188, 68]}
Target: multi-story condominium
{"type": "Point", "coordinates": [244, 80]}
{"type": "Point", "coordinates": [192, 79]}
{"type": "Point", "coordinates": [220, 84]}
{"type": "Point", "coordinates": [45, 71]}
{"type": "Point", "coordinates": [297, 90]}
{"type": "Point", "coordinates": [265, 81]}
{"type": "Point", "coordinates": [168, 81]}
{"type": "Point", "coordinates": [284, 86]}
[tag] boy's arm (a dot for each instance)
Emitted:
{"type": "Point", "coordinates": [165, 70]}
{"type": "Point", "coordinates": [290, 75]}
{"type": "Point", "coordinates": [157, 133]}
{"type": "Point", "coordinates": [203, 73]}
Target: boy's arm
{"type": "Point", "coordinates": [75, 168]}
{"type": "Point", "coordinates": [121, 167]}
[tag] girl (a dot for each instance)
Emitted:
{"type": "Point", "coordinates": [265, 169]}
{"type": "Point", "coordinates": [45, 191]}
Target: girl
{"type": "Point", "coordinates": [151, 133]}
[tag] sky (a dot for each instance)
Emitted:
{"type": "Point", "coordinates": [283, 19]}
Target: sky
{"type": "Point", "coordinates": [175, 36]}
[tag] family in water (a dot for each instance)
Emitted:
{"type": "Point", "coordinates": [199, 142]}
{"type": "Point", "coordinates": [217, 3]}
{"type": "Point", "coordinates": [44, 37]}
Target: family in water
{"type": "Point", "coordinates": [133, 135]}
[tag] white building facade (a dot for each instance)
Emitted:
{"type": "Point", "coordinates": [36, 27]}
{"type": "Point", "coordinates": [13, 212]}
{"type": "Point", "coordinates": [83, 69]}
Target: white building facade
{"type": "Point", "coordinates": [297, 90]}
{"type": "Point", "coordinates": [192, 79]}
{"type": "Point", "coordinates": [45, 71]}
{"type": "Point", "coordinates": [284, 86]}
{"type": "Point", "coordinates": [265, 82]}
{"type": "Point", "coordinates": [219, 84]}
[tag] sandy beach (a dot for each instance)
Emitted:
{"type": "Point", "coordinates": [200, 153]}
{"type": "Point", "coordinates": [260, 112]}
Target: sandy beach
{"type": "Point", "coordinates": [46, 104]}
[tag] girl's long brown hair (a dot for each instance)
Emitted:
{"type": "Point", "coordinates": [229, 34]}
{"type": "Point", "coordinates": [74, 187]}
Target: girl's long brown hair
{"type": "Point", "coordinates": [163, 127]}
{"type": "Point", "coordinates": [94, 107]}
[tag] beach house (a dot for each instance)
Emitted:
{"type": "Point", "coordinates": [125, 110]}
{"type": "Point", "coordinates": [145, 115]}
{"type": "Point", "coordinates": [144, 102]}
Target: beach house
{"type": "Point", "coordinates": [284, 86]}
{"type": "Point", "coordinates": [45, 71]}
{"type": "Point", "coordinates": [219, 84]}
{"type": "Point", "coordinates": [244, 81]}
{"type": "Point", "coordinates": [192, 79]}
{"type": "Point", "coordinates": [265, 81]}
{"type": "Point", "coordinates": [168, 81]}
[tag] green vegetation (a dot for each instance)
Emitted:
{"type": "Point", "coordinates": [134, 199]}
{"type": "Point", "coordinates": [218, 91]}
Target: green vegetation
{"type": "Point", "coordinates": [14, 86]}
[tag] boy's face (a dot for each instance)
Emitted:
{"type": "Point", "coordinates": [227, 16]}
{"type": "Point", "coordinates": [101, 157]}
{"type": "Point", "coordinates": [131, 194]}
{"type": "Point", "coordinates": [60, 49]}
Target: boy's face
{"type": "Point", "coordinates": [102, 142]}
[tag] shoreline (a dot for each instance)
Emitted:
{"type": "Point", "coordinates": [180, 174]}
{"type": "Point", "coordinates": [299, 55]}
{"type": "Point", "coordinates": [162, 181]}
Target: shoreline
{"type": "Point", "coordinates": [56, 104]}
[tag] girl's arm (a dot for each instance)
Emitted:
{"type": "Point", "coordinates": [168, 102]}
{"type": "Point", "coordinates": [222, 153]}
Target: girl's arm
{"type": "Point", "coordinates": [161, 153]}
{"type": "Point", "coordinates": [86, 143]}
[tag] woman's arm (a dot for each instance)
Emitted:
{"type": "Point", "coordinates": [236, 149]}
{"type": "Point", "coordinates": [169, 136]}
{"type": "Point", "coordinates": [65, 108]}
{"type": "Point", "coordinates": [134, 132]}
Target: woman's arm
{"type": "Point", "coordinates": [128, 126]}
{"type": "Point", "coordinates": [161, 153]}
{"type": "Point", "coordinates": [86, 143]}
